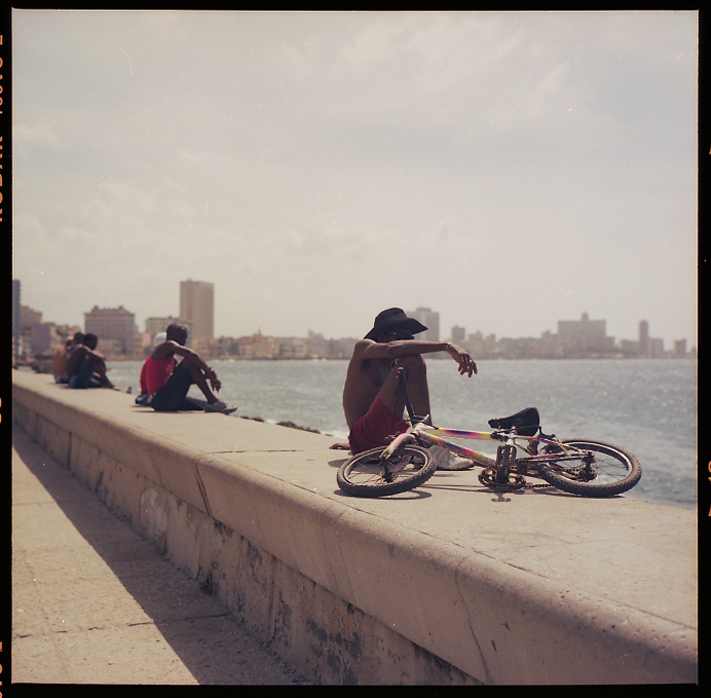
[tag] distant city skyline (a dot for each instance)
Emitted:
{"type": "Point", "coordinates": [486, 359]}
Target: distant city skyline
{"type": "Point", "coordinates": [424, 313]}
{"type": "Point", "coordinates": [507, 168]}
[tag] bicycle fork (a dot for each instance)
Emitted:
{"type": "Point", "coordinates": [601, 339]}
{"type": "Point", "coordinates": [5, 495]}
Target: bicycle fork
{"type": "Point", "coordinates": [389, 469]}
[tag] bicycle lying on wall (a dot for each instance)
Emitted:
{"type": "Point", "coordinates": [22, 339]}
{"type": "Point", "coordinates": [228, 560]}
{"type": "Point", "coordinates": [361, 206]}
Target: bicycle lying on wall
{"type": "Point", "coordinates": [578, 466]}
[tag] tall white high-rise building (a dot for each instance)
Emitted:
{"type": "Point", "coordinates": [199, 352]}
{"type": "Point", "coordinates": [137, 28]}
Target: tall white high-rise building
{"type": "Point", "coordinates": [644, 341]}
{"type": "Point", "coordinates": [197, 306]}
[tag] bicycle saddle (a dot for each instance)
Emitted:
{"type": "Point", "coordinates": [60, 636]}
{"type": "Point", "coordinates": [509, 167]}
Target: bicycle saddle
{"type": "Point", "coordinates": [526, 422]}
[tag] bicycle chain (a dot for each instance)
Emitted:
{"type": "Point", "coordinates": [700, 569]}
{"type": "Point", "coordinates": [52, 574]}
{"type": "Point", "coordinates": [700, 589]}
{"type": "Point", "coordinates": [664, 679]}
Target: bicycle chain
{"type": "Point", "coordinates": [574, 471]}
{"type": "Point", "coordinates": [511, 486]}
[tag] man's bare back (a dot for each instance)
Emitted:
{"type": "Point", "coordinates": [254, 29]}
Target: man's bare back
{"type": "Point", "coordinates": [364, 379]}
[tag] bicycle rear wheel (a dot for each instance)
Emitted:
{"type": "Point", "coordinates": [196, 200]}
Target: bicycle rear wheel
{"type": "Point", "coordinates": [611, 470]}
{"type": "Point", "coordinates": [365, 475]}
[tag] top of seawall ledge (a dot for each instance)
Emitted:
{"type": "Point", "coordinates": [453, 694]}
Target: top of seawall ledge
{"type": "Point", "coordinates": [613, 561]}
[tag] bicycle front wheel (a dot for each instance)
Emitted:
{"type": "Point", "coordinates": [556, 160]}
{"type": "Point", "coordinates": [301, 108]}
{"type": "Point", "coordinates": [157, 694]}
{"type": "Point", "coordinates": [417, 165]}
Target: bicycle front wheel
{"type": "Point", "coordinates": [602, 470]}
{"type": "Point", "coordinates": [365, 475]}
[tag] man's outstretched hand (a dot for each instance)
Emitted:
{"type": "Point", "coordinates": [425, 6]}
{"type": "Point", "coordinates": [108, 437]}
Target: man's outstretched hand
{"type": "Point", "coordinates": [463, 358]}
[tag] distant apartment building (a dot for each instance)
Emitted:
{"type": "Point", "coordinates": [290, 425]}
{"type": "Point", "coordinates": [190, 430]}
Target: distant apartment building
{"type": "Point", "coordinates": [430, 319]}
{"type": "Point", "coordinates": [41, 338]}
{"type": "Point", "coordinates": [458, 335]}
{"type": "Point", "coordinates": [656, 348]}
{"type": "Point", "coordinates": [644, 347]}
{"type": "Point", "coordinates": [29, 316]}
{"type": "Point", "coordinates": [29, 320]}
{"type": "Point", "coordinates": [154, 325]}
{"type": "Point", "coordinates": [115, 328]}
{"type": "Point", "coordinates": [478, 345]}
{"type": "Point", "coordinates": [629, 347]}
{"type": "Point", "coordinates": [649, 347]}
{"type": "Point", "coordinates": [257, 347]}
{"type": "Point", "coordinates": [583, 336]}
{"type": "Point", "coordinates": [47, 337]}
{"type": "Point", "coordinates": [197, 306]}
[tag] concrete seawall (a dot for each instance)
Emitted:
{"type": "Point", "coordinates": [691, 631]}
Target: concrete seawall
{"type": "Point", "coordinates": [448, 584]}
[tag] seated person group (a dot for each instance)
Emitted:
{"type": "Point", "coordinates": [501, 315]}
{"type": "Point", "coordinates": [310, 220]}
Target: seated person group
{"type": "Point", "coordinates": [372, 407]}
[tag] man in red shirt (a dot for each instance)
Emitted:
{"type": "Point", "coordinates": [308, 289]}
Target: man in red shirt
{"type": "Point", "coordinates": [167, 382]}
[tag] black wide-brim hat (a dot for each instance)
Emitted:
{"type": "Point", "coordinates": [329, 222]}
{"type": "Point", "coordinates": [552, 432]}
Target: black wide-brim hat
{"type": "Point", "coordinates": [394, 319]}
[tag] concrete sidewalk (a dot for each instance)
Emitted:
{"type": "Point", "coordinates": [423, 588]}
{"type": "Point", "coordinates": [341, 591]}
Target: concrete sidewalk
{"type": "Point", "coordinates": [94, 603]}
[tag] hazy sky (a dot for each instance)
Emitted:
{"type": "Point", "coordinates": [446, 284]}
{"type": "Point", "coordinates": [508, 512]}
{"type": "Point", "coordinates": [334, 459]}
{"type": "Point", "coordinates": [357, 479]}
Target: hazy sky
{"type": "Point", "coordinates": [507, 169]}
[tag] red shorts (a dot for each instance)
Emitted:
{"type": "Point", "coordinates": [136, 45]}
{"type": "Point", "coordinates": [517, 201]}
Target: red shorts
{"type": "Point", "coordinates": [371, 430]}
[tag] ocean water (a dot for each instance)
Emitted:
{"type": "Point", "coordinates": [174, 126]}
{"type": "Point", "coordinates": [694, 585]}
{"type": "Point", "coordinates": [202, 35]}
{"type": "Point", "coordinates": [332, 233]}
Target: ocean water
{"type": "Point", "coordinates": [648, 407]}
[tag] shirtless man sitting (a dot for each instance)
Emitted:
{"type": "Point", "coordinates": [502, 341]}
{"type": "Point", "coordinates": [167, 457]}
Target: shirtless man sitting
{"type": "Point", "coordinates": [371, 406]}
{"type": "Point", "coordinates": [166, 383]}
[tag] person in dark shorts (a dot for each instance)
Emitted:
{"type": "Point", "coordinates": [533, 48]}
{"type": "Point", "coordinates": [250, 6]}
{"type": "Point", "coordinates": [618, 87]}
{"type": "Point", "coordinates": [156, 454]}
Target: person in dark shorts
{"type": "Point", "coordinates": [86, 367]}
{"type": "Point", "coordinates": [166, 382]}
{"type": "Point", "coordinates": [371, 406]}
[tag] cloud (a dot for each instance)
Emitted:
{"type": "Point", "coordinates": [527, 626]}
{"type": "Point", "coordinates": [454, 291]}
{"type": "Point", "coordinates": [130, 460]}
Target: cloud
{"type": "Point", "coordinates": [39, 136]}
{"type": "Point", "coordinates": [313, 163]}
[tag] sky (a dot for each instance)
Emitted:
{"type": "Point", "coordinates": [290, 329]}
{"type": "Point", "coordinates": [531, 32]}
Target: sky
{"type": "Point", "coordinates": [505, 169]}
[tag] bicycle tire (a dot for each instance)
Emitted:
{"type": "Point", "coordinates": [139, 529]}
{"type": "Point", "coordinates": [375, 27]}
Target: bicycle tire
{"type": "Point", "coordinates": [362, 475]}
{"type": "Point", "coordinates": [616, 470]}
